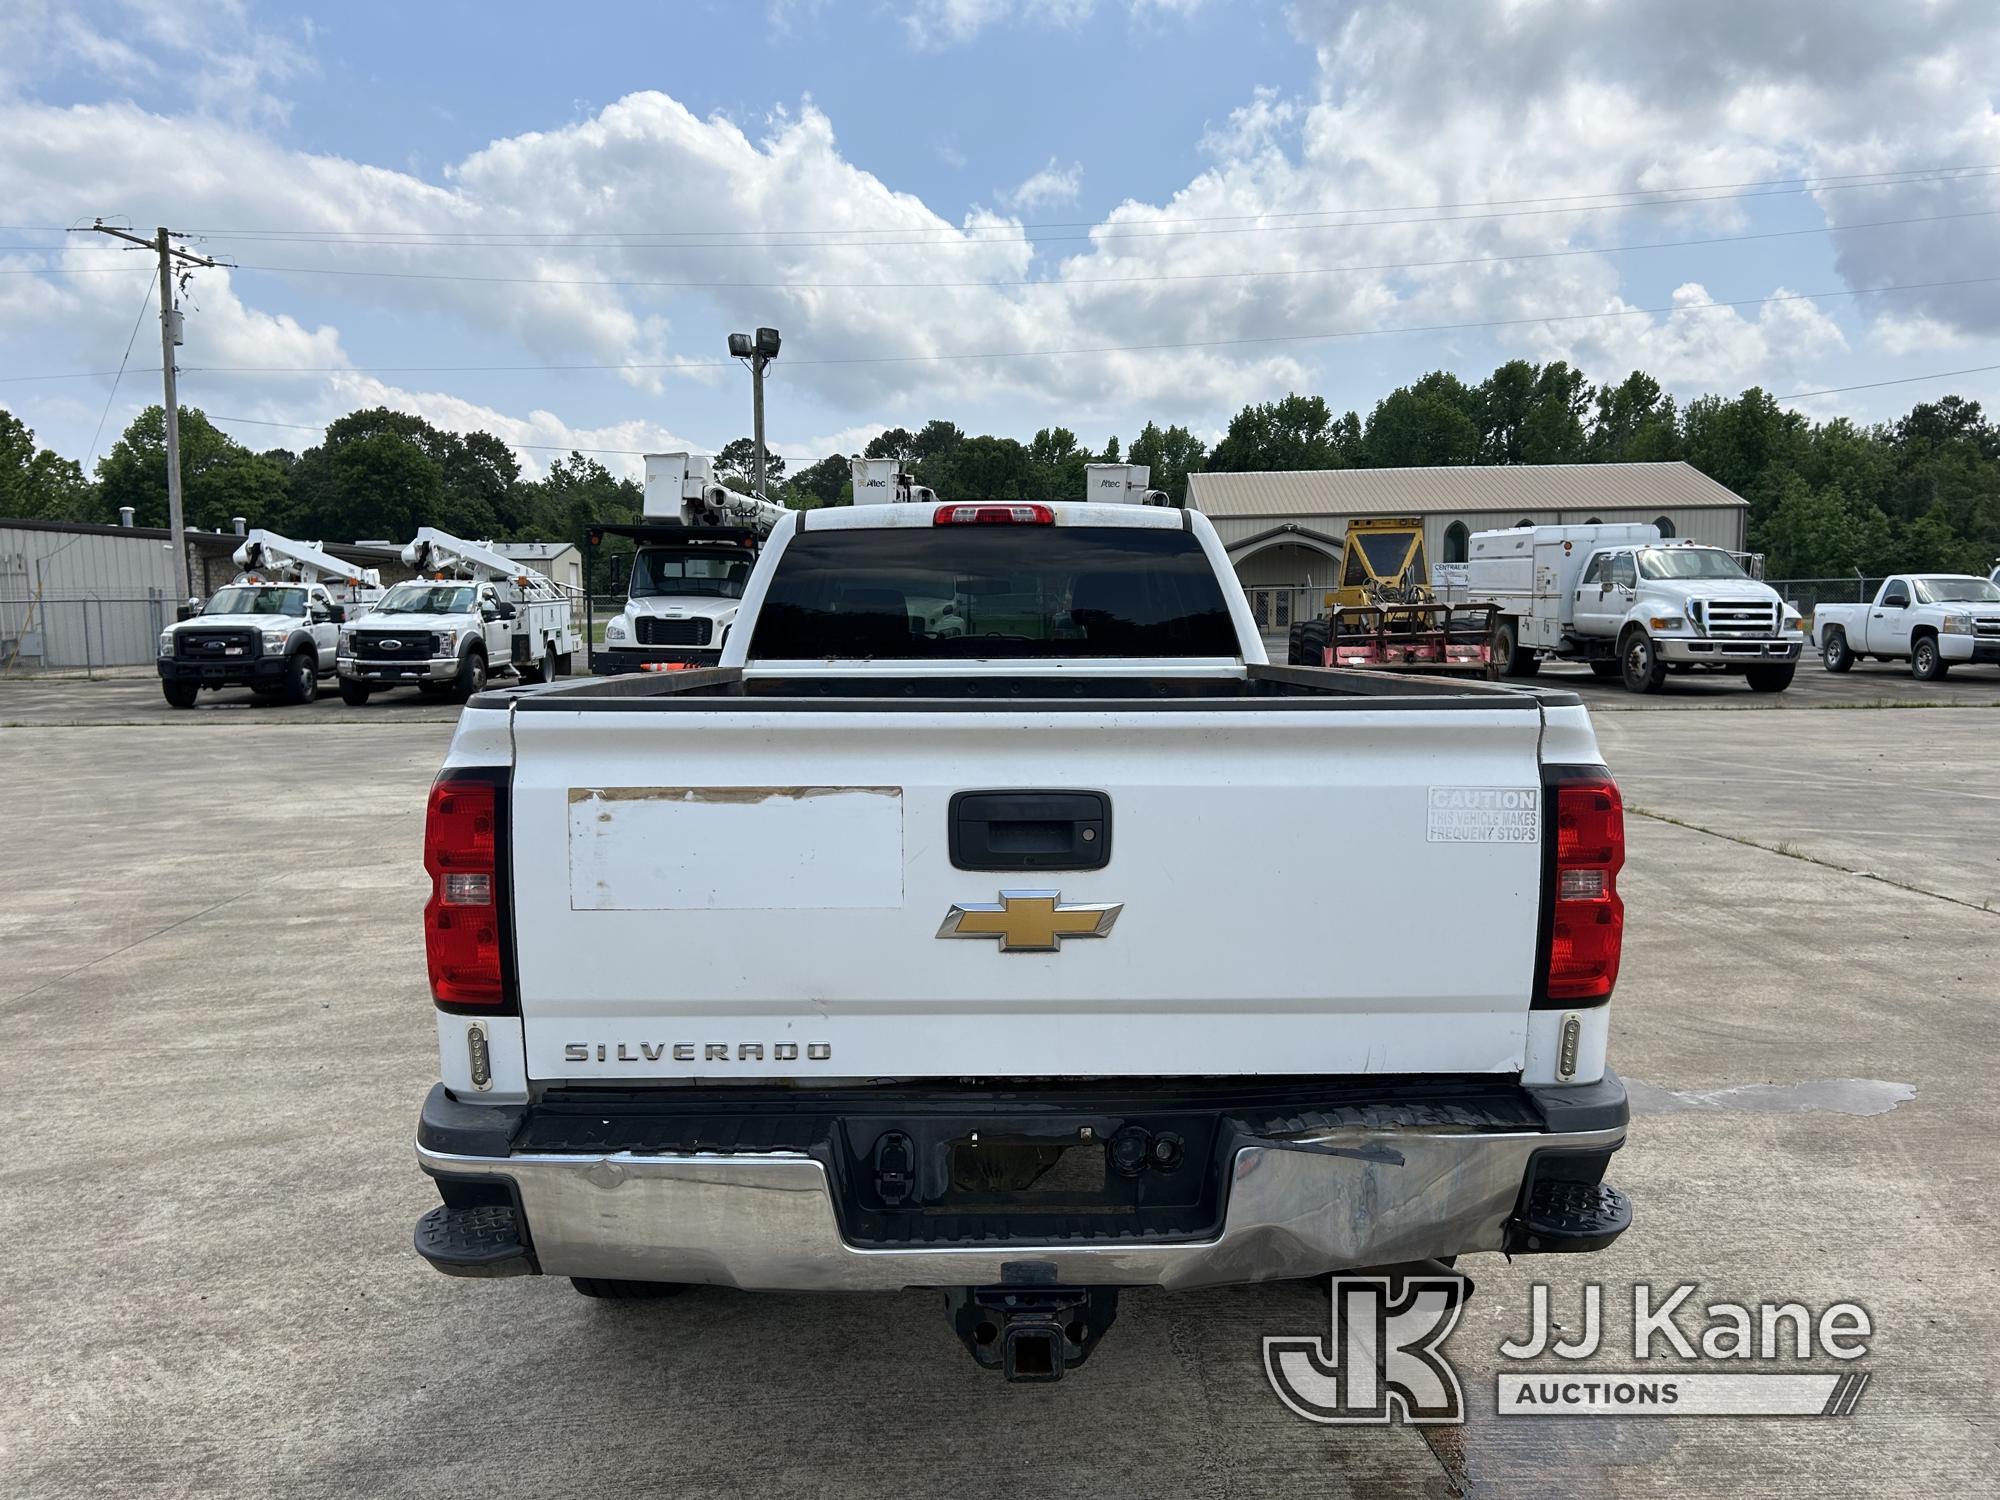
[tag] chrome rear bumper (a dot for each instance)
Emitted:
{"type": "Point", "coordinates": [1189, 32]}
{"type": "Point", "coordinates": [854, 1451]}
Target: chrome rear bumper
{"type": "Point", "coordinates": [1297, 1207]}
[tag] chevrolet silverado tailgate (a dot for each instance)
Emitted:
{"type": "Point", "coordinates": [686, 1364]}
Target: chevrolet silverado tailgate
{"type": "Point", "coordinates": [751, 890]}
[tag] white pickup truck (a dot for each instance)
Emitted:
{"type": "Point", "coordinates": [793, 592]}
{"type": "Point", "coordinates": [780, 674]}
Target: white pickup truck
{"type": "Point", "coordinates": [1934, 620]}
{"type": "Point", "coordinates": [1008, 959]}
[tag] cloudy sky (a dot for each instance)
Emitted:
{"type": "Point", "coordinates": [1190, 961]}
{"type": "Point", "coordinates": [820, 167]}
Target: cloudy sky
{"type": "Point", "coordinates": [545, 221]}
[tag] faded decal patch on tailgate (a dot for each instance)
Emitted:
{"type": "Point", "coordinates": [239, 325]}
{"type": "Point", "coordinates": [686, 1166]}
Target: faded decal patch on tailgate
{"type": "Point", "coordinates": [717, 848]}
{"type": "Point", "coordinates": [1485, 815]}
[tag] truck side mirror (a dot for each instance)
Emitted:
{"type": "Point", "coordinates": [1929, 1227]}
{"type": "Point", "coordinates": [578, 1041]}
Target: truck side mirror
{"type": "Point", "coordinates": [504, 610]}
{"type": "Point", "coordinates": [338, 614]}
{"type": "Point", "coordinates": [621, 569]}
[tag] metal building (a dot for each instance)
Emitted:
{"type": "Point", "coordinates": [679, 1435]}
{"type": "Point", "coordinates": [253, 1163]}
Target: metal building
{"type": "Point", "coordinates": [1284, 529]}
{"type": "Point", "coordinates": [76, 596]}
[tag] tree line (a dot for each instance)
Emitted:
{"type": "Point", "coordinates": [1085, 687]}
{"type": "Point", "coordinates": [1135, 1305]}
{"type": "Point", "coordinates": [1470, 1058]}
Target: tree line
{"type": "Point", "coordinates": [1826, 498]}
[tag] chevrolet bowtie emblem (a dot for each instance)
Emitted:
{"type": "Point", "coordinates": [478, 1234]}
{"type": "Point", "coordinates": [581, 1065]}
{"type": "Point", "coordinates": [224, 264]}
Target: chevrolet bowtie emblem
{"type": "Point", "coordinates": [1030, 921]}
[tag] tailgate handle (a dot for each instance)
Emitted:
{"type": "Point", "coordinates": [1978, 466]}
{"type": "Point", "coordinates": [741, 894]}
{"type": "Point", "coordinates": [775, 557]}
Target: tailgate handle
{"type": "Point", "coordinates": [1028, 830]}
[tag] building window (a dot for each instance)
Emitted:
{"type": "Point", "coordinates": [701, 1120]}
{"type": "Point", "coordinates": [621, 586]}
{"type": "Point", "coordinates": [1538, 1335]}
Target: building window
{"type": "Point", "coordinates": [1593, 521]}
{"type": "Point", "coordinates": [1665, 525]}
{"type": "Point", "coordinates": [1456, 542]}
{"type": "Point", "coordinates": [1523, 522]}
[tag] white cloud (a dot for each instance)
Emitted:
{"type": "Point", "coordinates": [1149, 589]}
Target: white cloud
{"type": "Point", "coordinates": [1554, 100]}
{"type": "Point", "coordinates": [944, 23]}
{"type": "Point", "coordinates": [1051, 185]}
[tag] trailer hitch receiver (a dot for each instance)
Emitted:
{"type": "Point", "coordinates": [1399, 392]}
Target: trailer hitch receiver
{"type": "Point", "coordinates": [1031, 1333]}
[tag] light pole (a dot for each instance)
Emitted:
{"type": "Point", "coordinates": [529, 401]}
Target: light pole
{"type": "Point", "coordinates": [760, 349]}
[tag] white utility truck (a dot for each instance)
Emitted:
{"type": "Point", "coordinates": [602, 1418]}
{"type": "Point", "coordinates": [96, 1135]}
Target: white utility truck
{"type": "Point", "coordinates": [1003, 961]}
{"type": "Point", "coordinates": [1935, 621]}
{"type": "Point", "coordinates": [273, 630]}
{"type": "Point", "coordinates": [1630, 604]}
{"type": "Point", "coordinates": [693, 554]}
{"type": "Point", "coordinates": [469, 612]}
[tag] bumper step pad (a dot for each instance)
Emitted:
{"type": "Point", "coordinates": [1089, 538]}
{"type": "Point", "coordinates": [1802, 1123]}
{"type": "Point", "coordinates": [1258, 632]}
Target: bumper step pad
{"type": "Point", "coordinates": [480, 1241]}
{"type": "Point", "coordinates": [1568, 1218]}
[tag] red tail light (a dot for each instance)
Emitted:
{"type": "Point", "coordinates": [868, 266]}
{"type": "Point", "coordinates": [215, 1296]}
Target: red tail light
{"type": "Point", "coordinates": [462, 920]}
{"type": "Point", "coordinates": [993, 515]}
{"type": "Point", "coordinates": [1588, 927]}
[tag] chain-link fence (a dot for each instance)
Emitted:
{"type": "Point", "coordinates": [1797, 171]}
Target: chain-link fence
{"type": "Point", "coordinates": [1807, 594]}
{"type": "Point", "coordinates": [39, 636]}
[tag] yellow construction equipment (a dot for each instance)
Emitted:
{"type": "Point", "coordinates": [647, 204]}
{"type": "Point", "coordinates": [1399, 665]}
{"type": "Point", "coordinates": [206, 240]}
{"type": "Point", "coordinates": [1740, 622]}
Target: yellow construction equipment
{"type": "Point", "coordinates": [1383, 613]}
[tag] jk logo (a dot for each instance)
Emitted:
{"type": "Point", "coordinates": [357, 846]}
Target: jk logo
{"type": "Point", "coordinates": [1380, 1361]}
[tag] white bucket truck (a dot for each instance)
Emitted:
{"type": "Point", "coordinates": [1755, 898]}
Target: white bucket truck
{"type": "Point", "coordinates": [468, 611]}
{"type": "Point", "coordinates": [274, 630]}
{"type": "Point", "coordinates": [694, 551]}
{"type": "Point", "coordinates": [1630, 605]}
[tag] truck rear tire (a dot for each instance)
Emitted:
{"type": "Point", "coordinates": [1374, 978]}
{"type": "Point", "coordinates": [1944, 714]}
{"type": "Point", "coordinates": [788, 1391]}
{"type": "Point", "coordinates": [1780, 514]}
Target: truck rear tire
{"type": "Point", "coordinates": [1514, 662]}
{"type": "Point", "coordinates": [180, 694]}
{"type": "Point", "coordinates": [1295, 651]}
{"type": "Point", "coordinates": [544, 670]}
{"type": "Point", "coordinates": [301, 679]}
{"type": "Point", "coordinates": [471, 675]}
{"type": "Point", "coordinates": [1771, 679]}
{"type": "Point", "coordinates": [626, 1291]}
{"type": "Point", "coordinates": [1927, 663]}
{"type": "Point", "coordinates": [353, 694]}
{"type": "Point", "coordinates": [1640, 664]}
{"type": "Point", "coordinates": [1833, 652]}
{"type": "Point", "coordinates": [1313, 638]}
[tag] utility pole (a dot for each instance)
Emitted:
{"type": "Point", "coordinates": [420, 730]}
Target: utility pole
{"type": "Point", "coordinates": [759, 350]}
{"type": "Point", "coordinates": [170, 334]}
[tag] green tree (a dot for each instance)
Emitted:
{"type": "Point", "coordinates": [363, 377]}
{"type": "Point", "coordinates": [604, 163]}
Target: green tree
{"type": "Point", "coordinates": [897, 443]}
{"type": "Point", "coordinates": [39, 483]}
{"type": "Point", "coordinates": [220, 478]}
{"type": "Point", "coordinates": [1298, 432]}
{"type": "Point", "coordinates": [1172, 455]}
{"type": "Point", "coordinates": [828, 482]}
{"type": "Point", "coordinates": [739, 458]}
{"type": "Point", "coordinates": [1436, 421]}
{"type": "Point", "coordinates": [1057, 460]}
{"type": "Point", "coordinates": [1533, 414]}
{"type": "Point", "coordinates": [1634, 423]}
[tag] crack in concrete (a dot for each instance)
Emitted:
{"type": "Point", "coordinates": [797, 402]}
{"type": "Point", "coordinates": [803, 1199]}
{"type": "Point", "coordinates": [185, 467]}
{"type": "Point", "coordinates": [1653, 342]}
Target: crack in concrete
{"type": "Point", "coordinates": [1840, 1096]}
{"type": "Point", "coordinates": [1786, 851]}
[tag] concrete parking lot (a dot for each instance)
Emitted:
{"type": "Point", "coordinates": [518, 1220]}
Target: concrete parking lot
{"type": "Point", "coordinates": [213, 1006]}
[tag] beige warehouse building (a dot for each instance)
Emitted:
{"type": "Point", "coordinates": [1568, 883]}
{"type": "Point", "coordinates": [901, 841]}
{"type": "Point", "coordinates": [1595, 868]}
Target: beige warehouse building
{"type": "Point", "coordinates": [1284, 529]}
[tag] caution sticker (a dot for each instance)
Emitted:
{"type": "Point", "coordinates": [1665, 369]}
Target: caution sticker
{"type": "Point", "coordinates": [1485, 815]}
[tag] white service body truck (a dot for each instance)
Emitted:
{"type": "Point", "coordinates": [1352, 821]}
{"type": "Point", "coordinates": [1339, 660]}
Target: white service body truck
{"type": "Point", "coordinates": [1935, 621]}
{"type": "Point", "coordinates": [1006, 961]}
{"type": "Point", "coordinates": [693, 555]}
{"type": "Point", "coordinates": [471, 611]}
{"type": "Point", "coordinates": [275, 629]}
{"type": "Point", "coordinates": [1630, 605]}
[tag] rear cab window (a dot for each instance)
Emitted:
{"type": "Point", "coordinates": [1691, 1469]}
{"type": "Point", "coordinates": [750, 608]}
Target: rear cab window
{"type": "Point", "coordinates": [993, 592]}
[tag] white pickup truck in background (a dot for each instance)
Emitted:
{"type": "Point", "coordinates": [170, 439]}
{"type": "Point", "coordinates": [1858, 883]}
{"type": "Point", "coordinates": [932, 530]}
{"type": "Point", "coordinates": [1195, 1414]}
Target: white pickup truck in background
{"type": "Point", "coordinates": [1003, 959]}
{"type": "Point", "coordinates": [1935, 621]}
{"type": "Point", "coordinates": [1631, 605]}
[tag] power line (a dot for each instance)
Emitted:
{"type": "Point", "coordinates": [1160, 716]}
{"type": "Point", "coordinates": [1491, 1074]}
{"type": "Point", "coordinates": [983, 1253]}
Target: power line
{"type": "Point", "coordinates": [144, 303]}
{"type": "Point", "coordinates": [1463, 326]}
{"type": "Point", "coordinates": [533, 447]}
{"type": "Point", "coordinates": [1166, 345]}
{"type": "Point", "coordinates": [1876, 385]}
{"type": "Point", "coordinates": [1173, 276]}
{"type": "Point", "coordinates": [998, 234]}
{"type": "Point", "coordinates": [1892, 178]}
